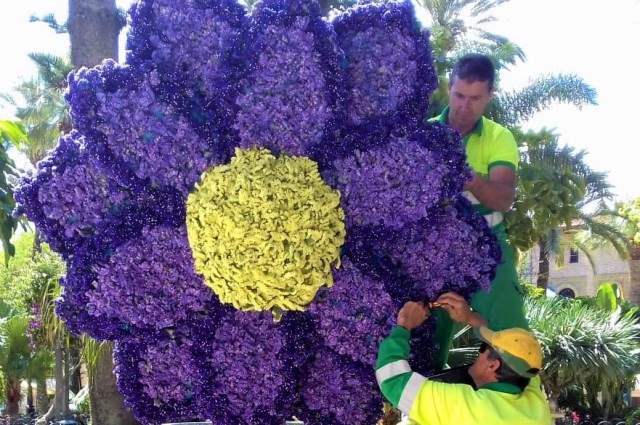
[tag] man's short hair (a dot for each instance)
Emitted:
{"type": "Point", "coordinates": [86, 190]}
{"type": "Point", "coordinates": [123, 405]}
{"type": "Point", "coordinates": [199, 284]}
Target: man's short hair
{"type": "Point", "coordinates": [474, 67]}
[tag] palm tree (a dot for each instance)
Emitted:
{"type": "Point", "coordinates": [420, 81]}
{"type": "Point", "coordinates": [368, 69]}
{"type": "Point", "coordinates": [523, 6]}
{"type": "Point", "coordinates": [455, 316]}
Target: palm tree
{"type": "Point", "coordinates": [558, 195]}
{"type": "Point", "coordinates": [14, 359]}
{"type": "Point", "coordinates": [38, 371]}
{"type": "Point", "coordinates": [585, 346]}
{"type": "Point", "coordinates": [42, 109]}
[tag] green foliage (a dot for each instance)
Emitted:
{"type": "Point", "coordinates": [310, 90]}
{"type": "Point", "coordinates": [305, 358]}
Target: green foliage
{"type": "Point", "coordinates": [15, 284]}
{"type": "Point", "coordinates": [10, 132]}
{"type": "Point", "coordinates": [29, 275]}
{"type": "Point", "coordinates": [15, 353]}
{"type": "Point", "coordinates": [532, 291]}
{"type": "Point", "coordinates": [518, 106]}
{"type": "Point", "coordinates": [587, 347]}
{"type": "Point", "coordinates": [44, 113]}
{"type": "Point", "coordinates": [633, 418]}
{"type": "Point", "coordinates": [630, 211]}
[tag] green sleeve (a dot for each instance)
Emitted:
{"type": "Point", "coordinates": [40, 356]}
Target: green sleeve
{"type": "Point", "coordinates": [504, 150]}
{"type": "Point", "coordinates": [397, 381]}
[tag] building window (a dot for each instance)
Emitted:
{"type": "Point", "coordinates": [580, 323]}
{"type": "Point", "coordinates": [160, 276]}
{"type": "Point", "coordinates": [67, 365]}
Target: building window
{"type": "Point", "coordinates": [573, 255]}
{"type": "Point", "coordinates": [567, 293]}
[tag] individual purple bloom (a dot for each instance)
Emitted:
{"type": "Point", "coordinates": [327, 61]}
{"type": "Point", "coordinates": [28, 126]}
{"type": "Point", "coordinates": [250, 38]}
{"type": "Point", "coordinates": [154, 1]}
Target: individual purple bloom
{"type": "Point", "coordinates": [247, 365]}
{"type": "Point", "coordinates": [149, 281]}
{"type": "Point", "coordinates": [289, 97]}
{"type": "Point", "coordinates": [152, 138]}
{"type": "Point", "coordinates": [400, 179]}
{"type": "Point", "coordinates": [338, 390]}
{"type": "Point", "coordinates": [389, 65]}
{"type": "Point", "coordinates": [353, 325]}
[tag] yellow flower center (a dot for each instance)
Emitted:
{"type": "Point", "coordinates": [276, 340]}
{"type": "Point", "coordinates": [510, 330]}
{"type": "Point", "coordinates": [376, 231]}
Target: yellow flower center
{"type": "Point", "coordinates": [265, 231]}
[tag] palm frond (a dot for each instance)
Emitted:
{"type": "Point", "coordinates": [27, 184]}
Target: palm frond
{"type": "Point", "coordinates": [544, 91]}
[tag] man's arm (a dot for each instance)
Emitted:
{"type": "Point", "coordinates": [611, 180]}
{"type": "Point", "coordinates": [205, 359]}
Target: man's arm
{"type": "Point", "coordinates": [398, 383]}
{"type": "Point", "coordinates": [496, 191]}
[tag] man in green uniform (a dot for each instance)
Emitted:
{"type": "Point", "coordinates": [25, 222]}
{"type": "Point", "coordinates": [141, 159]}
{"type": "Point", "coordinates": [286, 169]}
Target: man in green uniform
{"type": "Point", "coordinates": [504, 373]}
{"type": "Point", "coordinates": [492, 154]}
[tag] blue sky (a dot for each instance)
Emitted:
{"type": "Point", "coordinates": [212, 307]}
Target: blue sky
{"type": "Point", "coordinates": [587, 38]}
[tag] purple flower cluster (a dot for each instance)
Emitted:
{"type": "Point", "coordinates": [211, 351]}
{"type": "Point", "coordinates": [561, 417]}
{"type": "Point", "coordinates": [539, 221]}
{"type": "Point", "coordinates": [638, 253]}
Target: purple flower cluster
{"type": "Point", "coordinates": [163, 374]}
{"type": "Point", "coordinates": [247, 364]}
{"type": "Point", "coordinates": [443, 254]}
{"type": "Point", "coordinates": [203, 78]}
{"type": "Point", "coordinates": [190, 42]}
{"type": "Point", "coordinates": [153, 138]}
{"type": "Point", "coordinates": [73, 196]}
{"type": "Point", "coordinates": [87, 88]}
{"type": "Point", "coordinates": [353, 325]}
{"type": "Point", "coordinates": [286, 101]}
{"type": "Point", "coordinates": [166, 289]}
{"type": "Point", "coordinates": [80, 198]}
{"type": "Point", "coordinates": [392, 185]}
{"type": "Point", "coordinates": [342, 391]}
{"type": "Point", "coordinates": [389, 66]}
{"type": "Point", "coordinates": [168, 371]}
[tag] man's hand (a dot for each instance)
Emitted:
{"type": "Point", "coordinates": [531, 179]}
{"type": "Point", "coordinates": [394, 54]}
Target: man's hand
{"type": "Point", "coordinates": [497, 191]}
{"type": "Point", "coordinates": [412, 314]}
{"type": "Point", "coordinates": [459, 310]}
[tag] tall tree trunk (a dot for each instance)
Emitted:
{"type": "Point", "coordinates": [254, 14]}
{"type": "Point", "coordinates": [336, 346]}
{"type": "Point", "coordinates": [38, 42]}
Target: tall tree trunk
{"type": "Point", "coordinates": [93, 29]}
{"type": "Point", "coordinates": [107, 405]}
{"type": "Point", "coordinates": [543, 266]}
{"type": "Point", "coordinates": [634, 275]}
{"type": "Point", "coordinates": [58, 402]}
{"type": "Point", "coordinates": [30, 407]}
{"type": "Point", "coordinates": [42, 400]}
{"type": "Point", "coordinates": [65, 391]}
{"type": "Point", "coordinates": [75, 384]}
{"type": "Point", "coordinates": [12, 395]}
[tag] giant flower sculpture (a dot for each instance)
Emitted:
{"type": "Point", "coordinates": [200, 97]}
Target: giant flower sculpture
{"type": "Point", "coordinates": [245, 203]}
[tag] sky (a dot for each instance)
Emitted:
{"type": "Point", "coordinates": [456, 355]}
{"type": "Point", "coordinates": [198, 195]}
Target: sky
{"type": "Point", "coordinates": [582, 37]}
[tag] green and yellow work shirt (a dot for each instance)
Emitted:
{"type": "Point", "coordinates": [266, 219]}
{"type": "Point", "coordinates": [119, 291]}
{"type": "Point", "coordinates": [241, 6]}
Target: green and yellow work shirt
{"type": "Point", "coordinates": [502, 306]}
{"type": "Point", "coordinates": [433, 403]}
{"type": "Point", "coordinates": [488, 145]}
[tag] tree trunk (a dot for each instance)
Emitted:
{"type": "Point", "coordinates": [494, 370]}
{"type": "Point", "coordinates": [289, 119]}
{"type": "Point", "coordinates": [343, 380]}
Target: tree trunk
{"type": "Point", "coordinates": [634, 275]}
{"type": "Point", "coordinates": [58, 401]}
{"type": "Point", "coordinates": [107, 404]}
{"type": "Point", "coordinates": [93, 30]}
{"type": "Point", "coordinates": [12, 393]}
{"type": "Point", "coordinates": [42, 400]}
{"type": "Point", "coordinates": [75, 384]}
{"type": "Point", "coordinates": [543, 266]}
{"type": "Point", "coordinates": [30, 407]}
{"type": "Point", "coordinates": [65, 390]}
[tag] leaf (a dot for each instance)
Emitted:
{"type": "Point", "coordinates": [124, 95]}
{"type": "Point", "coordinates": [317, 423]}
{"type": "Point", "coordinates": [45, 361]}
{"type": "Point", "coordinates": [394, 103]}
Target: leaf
{"type": "Point", "coordinates": [13, 132]}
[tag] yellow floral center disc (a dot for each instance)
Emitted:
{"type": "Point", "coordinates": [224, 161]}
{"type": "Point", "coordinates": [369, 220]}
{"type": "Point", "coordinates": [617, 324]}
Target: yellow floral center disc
{"type": "Point", "coordinates": [265, 231]}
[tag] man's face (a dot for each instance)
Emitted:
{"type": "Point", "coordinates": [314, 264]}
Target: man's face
{"type": "Point", "coordinates": [467, 102]}
{"type": "Point", "coordinates": [483, 369]}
